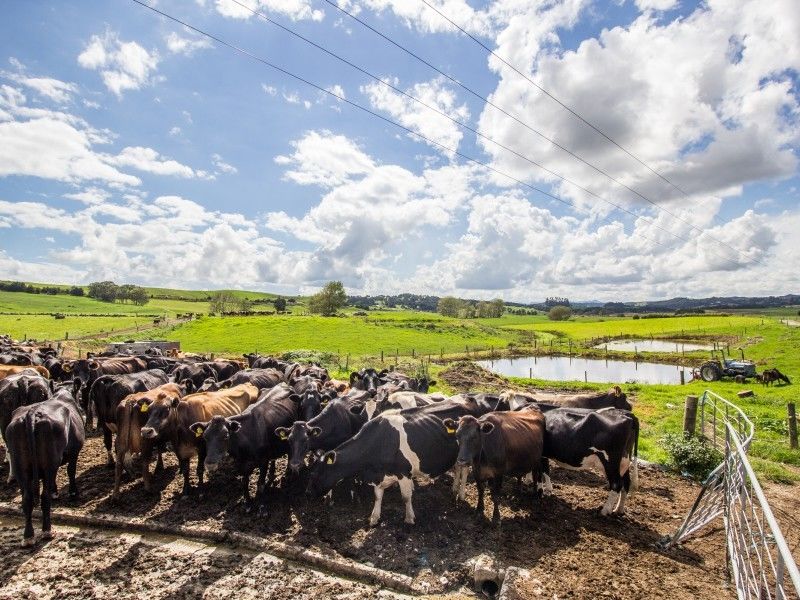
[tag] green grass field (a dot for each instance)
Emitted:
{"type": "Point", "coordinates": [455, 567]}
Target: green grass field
{"type": "Point", "coordinates": [660, 407]}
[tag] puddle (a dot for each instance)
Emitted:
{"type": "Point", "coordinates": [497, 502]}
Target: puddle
{"type": "Point", "coordinates": [565, 368]}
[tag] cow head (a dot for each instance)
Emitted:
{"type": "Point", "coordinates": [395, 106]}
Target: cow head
{"type": "Point", "coordinates": [158, 420]}
{"type": "Point", "coordinates": [313, 401]}
{"type": "Point", "coordinates": [468, 432]}
{"type": "Point", "coordinates": [251, 358]}
{"type": "Point", "coordinates": [216, 434]}
{"type": "Point", "coordinates": [298, 436]}
{"type": "Point", "coordinates": [325, 474]}
{"type": "Point", "coordinates": [367, 379]}
{"type": "Point", "coordinates": [422, 385]}
{"type": "Point", "coordinates": [620, 399]}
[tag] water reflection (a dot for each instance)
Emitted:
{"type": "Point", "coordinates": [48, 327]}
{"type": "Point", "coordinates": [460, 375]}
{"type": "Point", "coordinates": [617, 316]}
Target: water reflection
{"type": "Point", "coordinates": [566, 368]}
{"type": "Point", "coordinates": [652, 346]}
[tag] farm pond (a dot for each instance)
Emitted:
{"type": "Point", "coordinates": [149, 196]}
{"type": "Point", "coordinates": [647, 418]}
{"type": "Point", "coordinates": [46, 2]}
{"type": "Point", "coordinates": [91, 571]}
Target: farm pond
{"type": "Point", "coordinates": [653, 346]}
{"type": "Point", "coordinates": [574, 368]}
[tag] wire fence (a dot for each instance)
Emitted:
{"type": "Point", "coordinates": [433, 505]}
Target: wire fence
{"type": "Point", "coordinates": [761, 563]}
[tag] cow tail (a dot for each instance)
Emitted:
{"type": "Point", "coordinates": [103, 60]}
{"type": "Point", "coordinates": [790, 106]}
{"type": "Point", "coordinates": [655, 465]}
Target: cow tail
{"type": "Point", "coordinates": [131, 421]}
{"type": "Point", "coordinates": [30, 431]}
{"type": "Point", "coordinates": [635, 460]}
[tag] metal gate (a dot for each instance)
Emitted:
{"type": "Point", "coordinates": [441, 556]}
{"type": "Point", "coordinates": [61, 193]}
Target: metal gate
{"type": "Point", "coordinates": [761, 564]}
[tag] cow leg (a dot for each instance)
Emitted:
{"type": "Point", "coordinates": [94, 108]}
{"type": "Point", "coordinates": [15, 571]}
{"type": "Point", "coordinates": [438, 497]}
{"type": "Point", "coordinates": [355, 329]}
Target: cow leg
{"type": "Point", "coordinates": [379, 489]}
{"type": "Point", "coordinates": [107, 444]}
{"type": "Point", "coordinates": [28, 496]}
{"type": "Point", "coordinates": [495, 487]}
{"type": "Point", "coordinates": [159, 462]}
{"type": "Point", "coordinates": [117, 478]}
{"type": "Point", "coordinates": [72, 467]}
{"type": "Point", "coordinates": [481, 483]}
{"type": "Point", "coordinates": [271, 477]}
{"type": "Point", "coordinates": [620, 509]}
{"type": "Point", "coordinates": [201, 464]}
{"type": "Point", "coordinates": [460, 474]}
{"type": "Point", "coordinates": [612, 500]}
{"type": "Point", "coordinates": [47, 498]}
{"type": "Point", "coordinates": [146, 479]}
{"type": "Point", "coordinates": [407, 491]}
{"type": "Point", "coordinates": [246, 490]}
{"type": "Point", "coordinates": [262, 475]}
{"type": "Point", "coordinates": [184, 466]}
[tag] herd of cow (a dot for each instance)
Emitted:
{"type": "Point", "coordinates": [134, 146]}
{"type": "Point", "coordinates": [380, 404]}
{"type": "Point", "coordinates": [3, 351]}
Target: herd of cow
{"type": "Point", "coordinates": [380, 427]}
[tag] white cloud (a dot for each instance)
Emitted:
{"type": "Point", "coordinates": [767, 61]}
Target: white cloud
{"type": "Point", "coordinates": [224, 167]}
{"type": "Point", "coordinates": [269, 90]}
{"type": "Point", "coordinates": [91, 195]}
{"type": "Point", "coordinates": [296, 10]}
{"type": "Point", "coordinates": [122, 65]}
{"type": "Point", "coordinates": [656, 4]}
{"type": "Point", "coordinates": [186, 46]}
{"type": "Point", "coordinates": [419, 118]}
{"type": "Point", "coordinates": [175, 131]}
{"type": "Point", "coordinates": [150, 161]}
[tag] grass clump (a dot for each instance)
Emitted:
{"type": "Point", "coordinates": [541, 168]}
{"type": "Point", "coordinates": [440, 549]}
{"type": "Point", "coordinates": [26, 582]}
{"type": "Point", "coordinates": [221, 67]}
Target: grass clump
{"type": "Point", "coordinates": [691, 455]}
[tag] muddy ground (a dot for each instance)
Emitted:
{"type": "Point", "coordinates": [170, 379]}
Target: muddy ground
{"type": "Point", "coordinates": [567, 545]}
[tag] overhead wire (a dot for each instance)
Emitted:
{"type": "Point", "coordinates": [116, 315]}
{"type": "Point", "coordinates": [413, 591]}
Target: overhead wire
{"type": "Point", "coordinates": [465, 126]}
{"type": "Point", "coordinates": [580, 117]}
{"type": "Point", "coordinates": [364, 109]}
{"type": "Point", "coordinates": [530, 128]}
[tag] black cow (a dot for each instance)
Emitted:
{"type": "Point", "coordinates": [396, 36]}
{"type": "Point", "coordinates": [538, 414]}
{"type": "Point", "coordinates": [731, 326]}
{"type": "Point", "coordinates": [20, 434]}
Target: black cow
{"type": "Point", "coordinates": [394, 448]}
{"type": "Point", "coordinates": [606, 440]}
{"type": "Point", "coordinates": [339, 420]}
{"type": "Point", "coordinates": [251, 438]}
{"type": "Point", "coordinates": [197, 373]}
{"type": "Point", "coordinates": [224, 368]}
{"type": "Point", "coordinates": [109, 390]}
{"type": "Point", "coordinates": [368, 379]}
{"type": "Point", "coordinates": [22, 389]}
{"type": "Point", "coordinates": [256, 361]}
{"type": "Point", "coordinates": [498, 444]}
{"type": "Point", "coordinates": [261, 378]}
{"type": "Point", "coordinates": [42, 437]}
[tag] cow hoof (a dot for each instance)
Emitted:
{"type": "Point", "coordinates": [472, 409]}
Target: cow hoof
{"type": "Point", "coordinates": [54, 496]}
{"type": "Point", "coordinates": [75, 495]}
{"type": "Point", "coordinates": [47, 535]}
{"type": "Point", "coordinates": [28, 542]}
{"type": "Point", "coordinates": [262, 511]}
{"type": "Point", "coordinates": [372, 523]}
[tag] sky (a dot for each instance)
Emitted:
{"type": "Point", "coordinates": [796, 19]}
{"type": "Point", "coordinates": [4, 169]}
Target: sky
{"type": "Point", "coordinates": [604, 150]}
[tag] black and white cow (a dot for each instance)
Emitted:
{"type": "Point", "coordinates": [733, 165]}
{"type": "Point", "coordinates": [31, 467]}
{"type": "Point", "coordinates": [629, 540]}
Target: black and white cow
{"type": "Point", "coordinates": [395, 447]}
{"type": "Point", "coordinates": [606, 440]}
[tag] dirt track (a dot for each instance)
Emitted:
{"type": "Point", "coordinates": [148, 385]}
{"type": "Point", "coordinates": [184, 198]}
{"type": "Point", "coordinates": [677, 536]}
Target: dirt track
{"type": "Point", "coordinates": [570, 549]}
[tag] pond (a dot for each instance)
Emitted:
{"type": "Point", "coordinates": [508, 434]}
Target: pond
{"type": "Point", "coordinates": [653, 346]}
{"type": "Point", "coordinates": [566, 368]}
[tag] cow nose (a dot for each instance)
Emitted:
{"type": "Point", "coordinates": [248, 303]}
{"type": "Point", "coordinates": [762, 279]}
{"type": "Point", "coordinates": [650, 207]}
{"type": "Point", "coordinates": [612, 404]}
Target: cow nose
{"type": "Point", "coordinates": [148, 433]}
{"type": "Point", "coordinates": [211, 467]}
{"type": "Point", "coordinates": [373, 392]}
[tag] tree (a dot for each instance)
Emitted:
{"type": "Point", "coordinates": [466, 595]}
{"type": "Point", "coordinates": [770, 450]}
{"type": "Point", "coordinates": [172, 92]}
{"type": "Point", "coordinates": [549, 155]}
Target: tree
{"type": "Point", "coordinates": [76, 291]}
{"type": "Point", "coordinates": [105, 291]}
{"type": "Point", "coordinates": [244, 305]}
{"type": "Point", "coordinates": [221, 302]}
{"type": "Point", "coordinates": [559, 313]}
{"type": "Point", "coordinates": [331, 298]}
{"type": "Point", "coordinates": [280, 304]}
{"type": "Point", "coordinates": [139, 296]}
{"type": "Point", "coordinates": [449, 306]}
{"type": "Point", "coordinates": [491, 310]}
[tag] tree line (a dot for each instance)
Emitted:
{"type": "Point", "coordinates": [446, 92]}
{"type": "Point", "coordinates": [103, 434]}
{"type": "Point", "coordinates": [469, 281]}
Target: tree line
{"type": "Point", "coordinates": [450, 306]}
{"type": "Point", "coordinates": [108, 291]}
{"type": "Point", "coordinates": [52, 290]}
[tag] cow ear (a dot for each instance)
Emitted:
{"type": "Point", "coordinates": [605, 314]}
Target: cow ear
{"type": "Point", "coordinates": [188, 385]}
{"type": "Point", "coordinates": [76, 386]}
{"type": "Point", "coordinates": [198, 429]}
{"type": "Point", "coordinates": [617, 391]}
{"type": "Point", "coordinates": [174, 403]}
{"type": "Point", "coordinates": [66, 367]}
{"type": "Point", "coordinates": [487, 428]}
{"type": "Point", "coordinates": [295, 398]}
{"type": "Point", "coordinates": [226, 384]}
{"type": "Point", "coordinates": [353, 378]}
{"type": "Point", "coordinates": [450, 425]}
{"type": "Point", "coordinates": [329, 457]}
{"type": "Point", "coordinates": [282, 433]}
{"type": "Point", "coordinates": [314, 431]}
{"type": "Point", "coordinates": [234, 426]}
{"type": "Point", "coordinates": [357, 409]}
{"type": "Point", "coordinates": [432, 382]}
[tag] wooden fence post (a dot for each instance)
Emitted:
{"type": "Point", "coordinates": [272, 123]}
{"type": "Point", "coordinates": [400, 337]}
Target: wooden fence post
{"type": "Point", "coordinates": [683, 377]}
{"type": "Point", "coordinates": [792, 425]}
{"type": "Point", "coordinates": [690, 415]}
{"type": "Point", "coordinates": [381, 356]}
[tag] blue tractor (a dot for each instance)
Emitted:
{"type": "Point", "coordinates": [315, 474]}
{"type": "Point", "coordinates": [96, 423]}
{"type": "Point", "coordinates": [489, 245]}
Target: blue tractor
{"type": "Point", "coordinates": [715, 369]}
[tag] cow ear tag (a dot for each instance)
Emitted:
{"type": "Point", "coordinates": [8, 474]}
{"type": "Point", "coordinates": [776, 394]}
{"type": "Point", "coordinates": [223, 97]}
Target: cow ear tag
{"type": "Point", "coordinates": [330, 460]}
{"type": "Point", "coordinates": [144, 407]}
{"type": "Point", "coordinates": [198, 432]}
{"type": "Point", "coordinates": [283, 435]}
{"type": "Point", "coordinates": [450, 430]}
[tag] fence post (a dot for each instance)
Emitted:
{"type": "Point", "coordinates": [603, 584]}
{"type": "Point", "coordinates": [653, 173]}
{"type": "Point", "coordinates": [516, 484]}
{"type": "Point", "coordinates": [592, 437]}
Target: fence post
{"type": "Point", "coordinates": [381, 356]}
{"type": "Point", "coordinates": [690, 415]}
{"type": "Point", "coordinates": [347, 362]}
{"type": "Point", "coordinates": [683, 375]}
{"type": "Point", "coordinates": [792, 425]}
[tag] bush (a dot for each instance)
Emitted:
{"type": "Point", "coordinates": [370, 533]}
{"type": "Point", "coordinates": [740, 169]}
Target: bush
{"type": "Point", "coordinates": [559, 313]}
{"type": "Point", "coordinates": [691, 455]}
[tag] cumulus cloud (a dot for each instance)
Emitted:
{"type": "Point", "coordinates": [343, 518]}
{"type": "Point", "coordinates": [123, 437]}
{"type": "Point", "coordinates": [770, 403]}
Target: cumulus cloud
{"type": "Point", "coordinates": [150, 161]}
{"type": "Point", "coordinates": [122, 65]}
{"type": "Point", "coordinates": [222, 166]}
{"type": "Point", "coordinates": [420, 119]}
{"type": "Point", "coordinates": [58, 91]}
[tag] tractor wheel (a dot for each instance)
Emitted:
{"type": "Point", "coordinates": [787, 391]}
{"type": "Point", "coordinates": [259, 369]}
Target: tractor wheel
{"type": "Point", "coordinates": [710, 372]}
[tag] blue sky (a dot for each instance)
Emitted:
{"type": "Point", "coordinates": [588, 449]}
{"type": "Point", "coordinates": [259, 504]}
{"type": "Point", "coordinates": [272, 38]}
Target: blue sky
{"type": "Point", "coordinates": [134, 149]}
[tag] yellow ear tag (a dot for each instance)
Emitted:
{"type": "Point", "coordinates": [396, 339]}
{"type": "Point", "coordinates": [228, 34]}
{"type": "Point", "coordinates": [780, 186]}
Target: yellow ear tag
{"type": "Point", "coordinates": [450, 430]}
{"type": "Point", "coordinates": [330, 460]}
{"type": "Point", "coordinates": [144, 407]}
{"type": "Point", "coordinates": [198, 432]}
{"type": "Point", "coordinates": [283, 435]}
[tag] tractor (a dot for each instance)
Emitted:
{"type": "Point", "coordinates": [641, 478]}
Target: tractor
{"type": "Point", "coordinates": [715, 369]}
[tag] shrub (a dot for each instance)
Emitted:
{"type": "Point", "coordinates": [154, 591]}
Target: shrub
{"type": "Point", "coordinates": [691, 455]}
{"type": "Point", "coordinates": [559, 313]}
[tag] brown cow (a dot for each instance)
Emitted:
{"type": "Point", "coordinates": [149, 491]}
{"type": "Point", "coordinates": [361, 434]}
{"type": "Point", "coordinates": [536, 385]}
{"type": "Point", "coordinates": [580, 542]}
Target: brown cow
{"type": "Point", "coordinates": [131, 415]}
{"type": "Point", "coordinates": [498, 444]}
{"type": "Point", "coordinates": [613, 398]}
{"type": "Point", "coordinates": [341, 387]}
{"type": "Point", "coordinates": [171, 422]}
{"type": "Point", "coordinates": [8, 370]}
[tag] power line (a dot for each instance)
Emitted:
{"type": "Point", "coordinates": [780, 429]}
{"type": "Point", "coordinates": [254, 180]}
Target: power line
{"type": "Point", "coordinates": [322, 89]}
{"type": "Point", "coordinates": [528, 126]}
{"type": "Point", "coordinates": [453, 151]}
{"type": "Point", "coordinates": [488, 138]}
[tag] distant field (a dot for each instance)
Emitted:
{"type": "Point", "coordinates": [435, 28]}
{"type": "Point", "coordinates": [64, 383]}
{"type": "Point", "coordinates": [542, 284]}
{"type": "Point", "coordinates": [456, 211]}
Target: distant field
{"type": "Point", "coordinates": [346, 335]}
{"type": "Point", "coordinates": [45, 327]}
